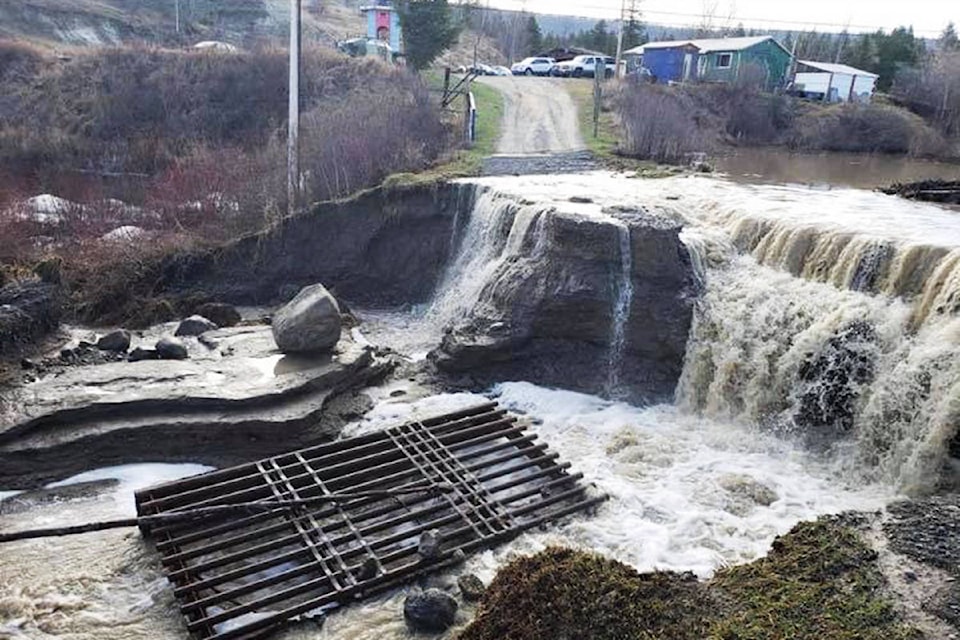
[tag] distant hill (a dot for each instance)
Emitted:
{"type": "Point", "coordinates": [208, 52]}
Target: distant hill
{"type": "Point", "coordinates": [60, 23]}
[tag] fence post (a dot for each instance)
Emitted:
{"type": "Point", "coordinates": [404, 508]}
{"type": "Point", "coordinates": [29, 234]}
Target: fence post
{"type": "Point", "coordinates": [598, 71]}
{"type": "Point", "coordinates": [470, 118]}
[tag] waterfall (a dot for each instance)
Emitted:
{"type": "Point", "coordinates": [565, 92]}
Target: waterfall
{"type": "Point", "coordinates": [827, 317]}
{"type": "Point", "coordinates": [497, 228]}
{"type": "Point", "coordinates": [820, 363]}
{"type": "Point", "coordinates": [621, 312]}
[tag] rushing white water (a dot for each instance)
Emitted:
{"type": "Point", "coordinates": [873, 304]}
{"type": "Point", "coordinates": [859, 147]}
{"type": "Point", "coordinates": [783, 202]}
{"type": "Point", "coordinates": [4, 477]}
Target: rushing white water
{"type": "Point", "coordinates": [621, 311]}
{"type": "Point", "coordinates": [812, 302]}
{"type": "Point", "coordinates": [498, 227]}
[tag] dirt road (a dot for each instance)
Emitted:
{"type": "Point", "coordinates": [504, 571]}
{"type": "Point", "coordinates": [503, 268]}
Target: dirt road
{"type": "Point", "coordinates": [539, 116]}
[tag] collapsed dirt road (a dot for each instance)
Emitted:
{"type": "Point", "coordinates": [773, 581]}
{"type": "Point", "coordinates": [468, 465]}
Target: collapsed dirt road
{"type": "Point", "coordinates": [539, 116]}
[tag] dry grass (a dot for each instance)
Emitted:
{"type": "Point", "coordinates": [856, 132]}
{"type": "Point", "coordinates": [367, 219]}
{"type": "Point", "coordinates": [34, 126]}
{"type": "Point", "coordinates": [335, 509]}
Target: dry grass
{"type": "Point", "coordinates": [206, 136]}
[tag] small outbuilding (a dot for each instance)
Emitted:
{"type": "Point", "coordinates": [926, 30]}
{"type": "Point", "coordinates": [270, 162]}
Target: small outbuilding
{"type": "Point", "coordinates": [760, 60]}
{"type": "Point", "coordinates": [832, 82]}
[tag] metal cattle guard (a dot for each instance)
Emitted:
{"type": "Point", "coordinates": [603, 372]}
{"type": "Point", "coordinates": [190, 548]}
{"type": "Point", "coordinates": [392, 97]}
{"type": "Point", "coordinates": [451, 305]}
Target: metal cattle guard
{"type": "Point", "coordinates": [359, 508]}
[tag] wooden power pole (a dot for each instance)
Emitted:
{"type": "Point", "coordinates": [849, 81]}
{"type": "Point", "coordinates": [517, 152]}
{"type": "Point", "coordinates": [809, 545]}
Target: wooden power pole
{"type": "Point", "coordinates": [293, 125]}
{"type": "Point", "coordinates": [623, 18]}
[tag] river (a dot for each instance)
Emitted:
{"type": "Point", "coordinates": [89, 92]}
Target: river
{"type": "Point", "coordinates": [705, 481]}
{"type": "Point", "coordinates": [826, 170]}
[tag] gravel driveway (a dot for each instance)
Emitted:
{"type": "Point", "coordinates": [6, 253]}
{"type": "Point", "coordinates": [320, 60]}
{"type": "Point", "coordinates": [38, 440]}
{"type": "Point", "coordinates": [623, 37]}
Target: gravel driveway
{"type": "Point", "coordinates": [539, 116]}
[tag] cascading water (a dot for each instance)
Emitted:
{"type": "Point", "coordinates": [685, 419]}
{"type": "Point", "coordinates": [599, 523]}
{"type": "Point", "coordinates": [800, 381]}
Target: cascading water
{"type": "Point", "coordinates": [621, 312]}
{"type": "Point", "coordinates": [822, 374]}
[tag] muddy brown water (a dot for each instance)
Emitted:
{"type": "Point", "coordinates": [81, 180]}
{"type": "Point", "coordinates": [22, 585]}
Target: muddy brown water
{"type": "Point", "coordinates": [857, 170]}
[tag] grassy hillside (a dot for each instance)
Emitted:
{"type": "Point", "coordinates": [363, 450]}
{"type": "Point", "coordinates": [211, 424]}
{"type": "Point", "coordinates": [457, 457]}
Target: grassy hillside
{"type": "Point", "coordinates": [59, 23]}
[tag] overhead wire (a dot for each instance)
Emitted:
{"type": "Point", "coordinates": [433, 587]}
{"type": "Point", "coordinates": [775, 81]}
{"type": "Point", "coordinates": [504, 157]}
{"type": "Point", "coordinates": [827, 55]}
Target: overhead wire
{"type": "Point", "coordinates": [807, 25]}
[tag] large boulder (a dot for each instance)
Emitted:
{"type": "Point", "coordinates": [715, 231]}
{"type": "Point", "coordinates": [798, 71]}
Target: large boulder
{"type": "Point", "coordinates": [28, 311]}
{"type": "Point", "coordinates": [194, 326]}
{"type": "Point", "coordinates": [430, 611]}
{"type": "Point", "coordinates": [310, 323]}
{"type": "Point", "coordinates": [597, 304]}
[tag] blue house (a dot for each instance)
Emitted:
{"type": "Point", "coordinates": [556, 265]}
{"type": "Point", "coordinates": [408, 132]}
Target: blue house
{"type": "Point", "coordinates": [761, 59]}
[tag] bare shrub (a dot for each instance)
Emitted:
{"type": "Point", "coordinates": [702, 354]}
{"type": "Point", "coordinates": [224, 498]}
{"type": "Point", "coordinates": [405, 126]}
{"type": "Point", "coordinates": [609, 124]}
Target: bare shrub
{"type": "Point", "coordinates": [933, 91]}
{"type": "Point", "coordinates": [870, 128]}
{"type": "Point", "coordinates": [659, 123]}
{"type": "Point", "coordinates": [747, 115]}
{"type": "Point", "coordinates": [368, 135]}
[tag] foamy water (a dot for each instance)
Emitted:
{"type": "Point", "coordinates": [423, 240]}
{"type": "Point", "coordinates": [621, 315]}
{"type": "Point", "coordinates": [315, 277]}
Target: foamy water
{"type": "Point", "coordinates": [693, 486]}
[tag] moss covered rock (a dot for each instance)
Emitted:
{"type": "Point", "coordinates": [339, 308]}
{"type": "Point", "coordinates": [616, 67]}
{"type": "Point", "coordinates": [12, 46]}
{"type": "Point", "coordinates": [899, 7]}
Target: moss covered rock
{"type": "Point", "coordinates": [562, 593]}
{"type": "Point", "coordinates": [819, 582]}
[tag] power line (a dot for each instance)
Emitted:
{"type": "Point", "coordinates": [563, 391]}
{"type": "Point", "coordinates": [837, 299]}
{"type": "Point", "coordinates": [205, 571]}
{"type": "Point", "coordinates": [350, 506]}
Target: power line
{"type": "Point", "coordinates": [807, 25]}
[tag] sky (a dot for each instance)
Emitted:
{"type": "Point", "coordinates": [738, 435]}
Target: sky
{"type": "Point", "coordinates": [928, 17]}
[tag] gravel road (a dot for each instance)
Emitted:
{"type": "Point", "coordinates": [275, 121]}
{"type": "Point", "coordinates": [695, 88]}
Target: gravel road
{"type": "Point", "coordinates": [539, 116]}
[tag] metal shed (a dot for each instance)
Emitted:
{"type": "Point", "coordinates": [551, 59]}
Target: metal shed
{"type": "Point", "coordinates": [833, 82]}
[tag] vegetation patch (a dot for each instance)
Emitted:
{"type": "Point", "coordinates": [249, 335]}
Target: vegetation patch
{"type": "Point", "coordinates": [562, 593]}
{"type": "Point", "coordinates": [668, 124]}
{"type": "Point", "coordinates": [819, 581]}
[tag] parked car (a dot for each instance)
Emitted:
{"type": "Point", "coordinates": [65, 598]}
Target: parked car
{"type": "Point", "coordinates": [533, 67]}
{"type": "Point", "coordinates": [584, 66]}
{"type": "Point", "coordinates": [501, 71]}
{"type": "Point", "coordinates": [641, 75]}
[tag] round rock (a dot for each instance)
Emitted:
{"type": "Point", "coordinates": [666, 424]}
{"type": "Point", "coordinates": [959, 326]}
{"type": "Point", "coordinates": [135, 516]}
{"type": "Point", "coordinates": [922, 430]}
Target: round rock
{"type": "Point", "coordinates": [118, 340]}
{"type": "Point", "coordinates": [471, 587]}
{"type": "Point", "coordinates": [430, 611]}
{"type": "Point", "coordinates": [310, 323]}
{"type": "Point", "coordinates": [194, 326]}
{"type": "Point", "coordinates": [169, 348]}
{"type": "Point", "coordinates": [140, 353]}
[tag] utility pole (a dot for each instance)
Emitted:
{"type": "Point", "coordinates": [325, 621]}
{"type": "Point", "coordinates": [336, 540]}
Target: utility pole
{"type": "Point", "coordinates": [293, 123]}
{"type": "Point", "coordinates": [616, 60]}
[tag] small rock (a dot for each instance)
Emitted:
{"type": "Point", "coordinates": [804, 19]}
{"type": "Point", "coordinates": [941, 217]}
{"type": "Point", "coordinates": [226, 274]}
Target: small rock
{"type": "Point", "coordinates": [308, 323]}
{"type": "Point", "coordinates": [85, 345]}
{"type": "Point", "coordinates": [140, 353]}
{"type": "Point", "coordinates": [208, 342]}
{"type": "Point", "coordinates": [368, 569]}
{"type": "Point", "coordinates": [223, 315]}
{"type": "Point", "coordinates": [118, 340]}
{"type": "Point", "coordinates": [169, 348]}
{"type": "Point", "coordinates": [429, 546]}
{"type": "Point", "coordinates": [471, 587]}
{"type": "Point", "coordinates": [397, 393]}
{"type": "Point", "coordinates": [194, 326]}
{"type": "Point", "coordinates": [909, 576]}
{"type": "Point", "coordinates": [747, 488]}
{"type": "Point", "coordinates": [67, 354]}
{"type": "Point", "coordinates": [26, 364]}
{"type": "Point", "coordinates": [580, 199]}
{"type": "Point", "coordinates": [430, 611]}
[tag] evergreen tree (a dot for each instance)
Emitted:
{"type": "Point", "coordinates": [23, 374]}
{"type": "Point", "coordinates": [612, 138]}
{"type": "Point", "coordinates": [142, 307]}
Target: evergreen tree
{"type": "Point", "coordinates": [895, 51]}
{"type": "Point", "coordinates": [428, 28]}
{"type": "Point", "coordinates": [738, 32]}
{"type": "Point", "coordinates": [534, 37]}
{"type": "Point", "coordinates": [634, 34]}
{"type": "Point", "coordinates": [599, 37]}
{"type": "Point", "coordinates": [948, 39]}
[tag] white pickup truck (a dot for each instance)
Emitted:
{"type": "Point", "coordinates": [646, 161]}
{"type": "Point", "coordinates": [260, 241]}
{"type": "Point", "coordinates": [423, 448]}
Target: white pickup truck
{"type": "Point", "coordinates": [584, 66]}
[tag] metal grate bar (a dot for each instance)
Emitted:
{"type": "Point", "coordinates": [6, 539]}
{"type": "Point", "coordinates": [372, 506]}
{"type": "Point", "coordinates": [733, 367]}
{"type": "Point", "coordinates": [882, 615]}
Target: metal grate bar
{"type": "Point", "coordinates": [484, 479]}
{"type": "Point", "coordinates": [194, 534]}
